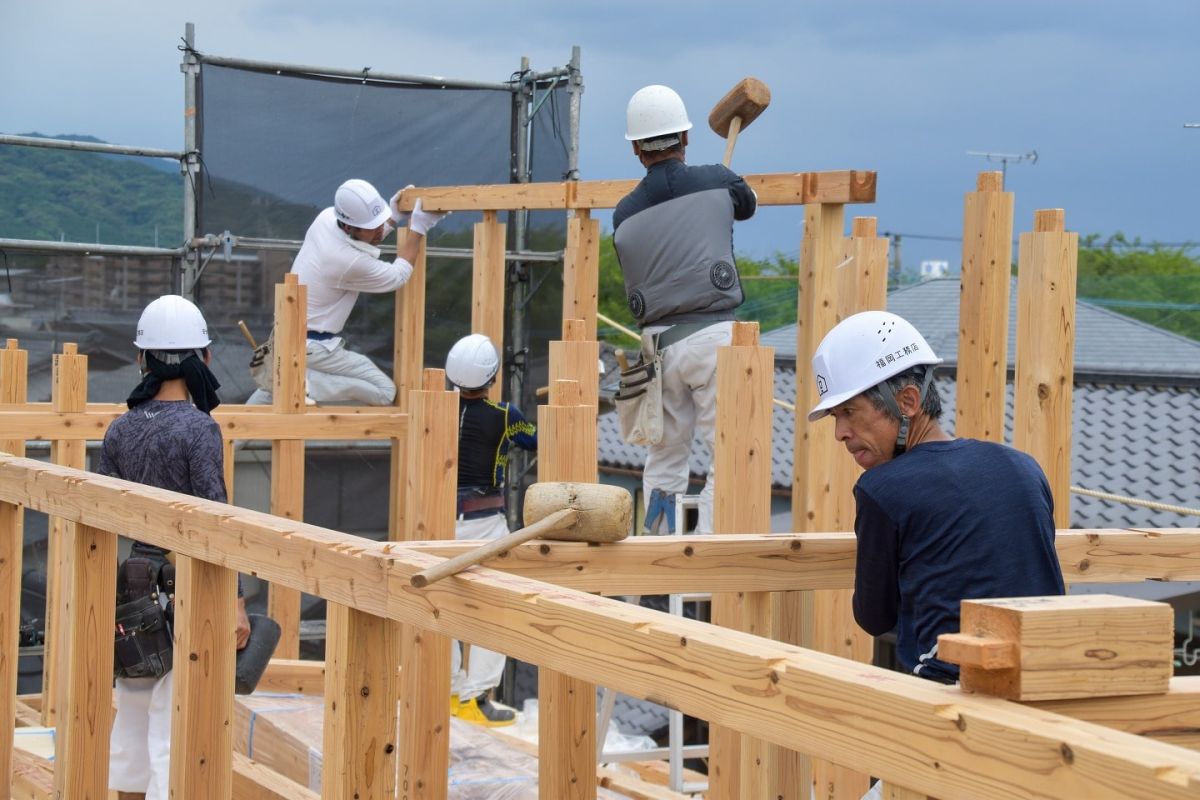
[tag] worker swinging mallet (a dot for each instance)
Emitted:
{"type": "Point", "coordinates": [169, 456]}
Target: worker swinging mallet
{"type": "Point", "coordinates": [735, 111]}
{"type": "Point", "coordinates": [573, 512]}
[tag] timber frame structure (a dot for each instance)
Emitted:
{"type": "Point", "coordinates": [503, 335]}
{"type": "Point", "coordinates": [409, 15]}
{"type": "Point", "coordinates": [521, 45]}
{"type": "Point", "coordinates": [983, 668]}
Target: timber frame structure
{"type": "Point", "coordinates": [781, 672]}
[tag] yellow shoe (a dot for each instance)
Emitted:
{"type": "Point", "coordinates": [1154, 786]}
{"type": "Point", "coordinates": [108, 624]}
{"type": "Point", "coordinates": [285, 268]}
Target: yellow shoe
{"type": "Point", "coordinates": [482, 711]}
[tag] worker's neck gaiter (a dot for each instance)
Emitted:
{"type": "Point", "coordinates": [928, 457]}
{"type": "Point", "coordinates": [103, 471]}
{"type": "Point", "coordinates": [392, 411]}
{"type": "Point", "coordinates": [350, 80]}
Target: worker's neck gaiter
{"type": "Point", "coordinates": [201, 384]}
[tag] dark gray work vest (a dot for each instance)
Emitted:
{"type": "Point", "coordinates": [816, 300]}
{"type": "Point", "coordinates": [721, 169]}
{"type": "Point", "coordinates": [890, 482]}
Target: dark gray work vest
{"type": "Point", "coordinates": [677, 259]}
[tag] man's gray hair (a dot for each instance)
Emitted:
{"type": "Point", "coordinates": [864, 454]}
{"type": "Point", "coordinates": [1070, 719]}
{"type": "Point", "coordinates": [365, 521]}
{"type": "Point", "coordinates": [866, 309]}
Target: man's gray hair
{"type": "Point", "coordinates": [881, 393]}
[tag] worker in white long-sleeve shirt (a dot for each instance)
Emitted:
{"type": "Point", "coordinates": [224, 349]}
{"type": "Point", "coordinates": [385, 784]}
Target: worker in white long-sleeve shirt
{"type": "Point", "coordinates": [338, 260]}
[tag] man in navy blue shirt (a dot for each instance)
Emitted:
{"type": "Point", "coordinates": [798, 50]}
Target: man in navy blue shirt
{"type": "Point", "coordinates": [673, 236]}
{"type": "Point", "coordinates": [939, 520]}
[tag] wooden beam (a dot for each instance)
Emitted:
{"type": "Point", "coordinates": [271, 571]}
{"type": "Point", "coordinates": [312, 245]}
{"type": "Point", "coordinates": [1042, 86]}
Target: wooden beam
{"type": "Point", "coordinates": [575, 357]}
{"type": "Point", "coordinates": [293, 676]}
{"type": "Point", "coordinates": [205, 647]}
{"type": "Point", "coordinates": [983, 310]}
{"type": "Point", "coordinates": [253, 781]}
{"type": "Point", "coordinates": [581, 273]}
{"type": "Point", "coordinates": [44, 425]}
{"type": "Point", "coordinates": [14, 388]}
{"type": "Point", "coordinates": [32, 777]}
{"type": "Point", "coordinates": [773, 189]}
{"type": "Point", "coordinates": [845, 712]}
{"type": "Point", "coordinates": [1172, 717]}
{"type": "Point", "coordinates": [1046, 352]}
{"type": "Point", "coordinates": [487, 287]}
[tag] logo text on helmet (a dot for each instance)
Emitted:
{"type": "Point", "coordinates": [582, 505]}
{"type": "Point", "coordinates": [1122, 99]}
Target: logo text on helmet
{"type": "Point", "coordinates": [822, 386]}
{"type": "Point", "coordinates": [891, 358]}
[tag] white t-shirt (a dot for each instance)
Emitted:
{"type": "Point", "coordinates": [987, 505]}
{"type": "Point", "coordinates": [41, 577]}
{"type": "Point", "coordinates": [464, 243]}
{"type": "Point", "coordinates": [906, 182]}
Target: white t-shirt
{"type": "Point", "coordinates": [335, 268]}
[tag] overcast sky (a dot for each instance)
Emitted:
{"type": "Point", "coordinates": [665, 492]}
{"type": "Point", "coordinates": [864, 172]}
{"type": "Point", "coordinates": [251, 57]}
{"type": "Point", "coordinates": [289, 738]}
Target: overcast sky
{"type": "Point", "coordinates": [1100, 89]}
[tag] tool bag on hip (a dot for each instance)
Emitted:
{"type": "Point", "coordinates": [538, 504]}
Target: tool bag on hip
{"type": "Point", "coordinates": [260, 364]}
{"type": "Point", "coordinates": [639, 397]}
{"type": "Point", "coordinates": [143, 644]}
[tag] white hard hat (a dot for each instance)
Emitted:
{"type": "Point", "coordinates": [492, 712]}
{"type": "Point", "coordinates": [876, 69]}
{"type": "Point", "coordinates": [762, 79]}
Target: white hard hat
{"type": "Point", "coordinates": [862, 351]}
{"type": "Point", "coordinates": [171, 323]}
{"type": "Point", "coordinates": [472, 362]}
{"type": "Point", "coordinates": [357, 203]}
{"type": "Point", "coordinates": [655, 111]}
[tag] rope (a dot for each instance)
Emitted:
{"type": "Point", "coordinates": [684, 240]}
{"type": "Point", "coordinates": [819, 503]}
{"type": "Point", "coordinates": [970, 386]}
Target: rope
{"type": "Point", "coordinates": [633, 334]}
{"type": "Point", "coordinates": [1135, 501]}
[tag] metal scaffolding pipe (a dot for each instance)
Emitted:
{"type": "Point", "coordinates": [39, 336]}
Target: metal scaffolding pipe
{"type": "Point", "coordinates": [39, 246]}
{"type": "Point", "coordinates": [95, 147]}
{"type": "Point", "coordinates": [362, 74]}
{"type": "Point", "coordinates": [189, 272]}
{"type": "Point", "coordinates": [293, 245]}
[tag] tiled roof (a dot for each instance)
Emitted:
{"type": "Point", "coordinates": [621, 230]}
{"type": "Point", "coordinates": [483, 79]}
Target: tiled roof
{"type": "Point", "coordinates": [1106, 343]}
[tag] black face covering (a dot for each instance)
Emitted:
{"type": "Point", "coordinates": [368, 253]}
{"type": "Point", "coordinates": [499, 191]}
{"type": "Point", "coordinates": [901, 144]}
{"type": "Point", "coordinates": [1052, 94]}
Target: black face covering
{"type": "Point", "coordinates": [201, 384]}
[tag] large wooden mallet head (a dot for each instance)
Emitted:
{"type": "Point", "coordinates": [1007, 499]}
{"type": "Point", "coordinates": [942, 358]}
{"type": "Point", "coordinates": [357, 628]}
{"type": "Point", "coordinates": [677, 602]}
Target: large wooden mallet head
{"type": "Point", "coordinates": [573, 512]}
{"type": "Point", "coordinates": [737, 109]}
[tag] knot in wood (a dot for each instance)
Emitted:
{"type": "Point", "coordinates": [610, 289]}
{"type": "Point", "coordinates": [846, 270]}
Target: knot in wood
{"type": "Point", "coordinates": [365, 691]}
{"type": "Point", "coordinates": [1043, 391]}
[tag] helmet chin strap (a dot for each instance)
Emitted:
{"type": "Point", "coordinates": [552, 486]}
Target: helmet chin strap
{"type": "Point", "coordinates": [906, 421]}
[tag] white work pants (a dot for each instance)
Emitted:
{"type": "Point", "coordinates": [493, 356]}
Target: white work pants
{"type": "Point", "coordinates": [484, 667]}
{"type": "Point", "coordinates": [340, 376]}
{"type": "Point", "coordinates": [140, 747]}
{"type": "Point", "coordinates": [689, 398]}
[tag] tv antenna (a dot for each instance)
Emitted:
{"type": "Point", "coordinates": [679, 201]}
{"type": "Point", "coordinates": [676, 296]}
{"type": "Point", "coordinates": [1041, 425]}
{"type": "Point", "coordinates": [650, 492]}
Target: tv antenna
{"type": "Point", "coordinates": [1191, 124]}
{"type": "Point", "coordinates": [1004, 158]}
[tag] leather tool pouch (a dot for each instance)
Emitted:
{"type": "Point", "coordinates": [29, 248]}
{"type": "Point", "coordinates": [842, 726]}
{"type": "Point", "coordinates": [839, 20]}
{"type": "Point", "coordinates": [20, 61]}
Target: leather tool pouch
{"type": "Point", "coordinates": [639, 398]}
{"type": "Point", "coordinates": [143, 643]}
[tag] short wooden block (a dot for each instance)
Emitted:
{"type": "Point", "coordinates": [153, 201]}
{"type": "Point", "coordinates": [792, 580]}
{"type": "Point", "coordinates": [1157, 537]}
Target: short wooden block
{"type": "Point", "coordinates": [1058, 648]}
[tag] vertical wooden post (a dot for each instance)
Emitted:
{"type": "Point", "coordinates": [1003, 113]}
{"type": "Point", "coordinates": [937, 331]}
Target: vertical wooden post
{"type": "Point", "coordinates": [14, 376]}
{"type": "Point", "coordinates": [581, 271]}
{"type": "Point", "coordinates": [84, 724]}
{"type": "Point", "coordinates": [567, 705]}
{"type": "Point", "coordinates": [813, 505]}
{"type": "Point", "coordinates": [1046, 352]}
{"type": "Point", "coordinates": [577, 358]}
{"type": "Point", "coordinates": [229, 455]}
{"type": "Point", "coordinates": [743, 766]}
{"type": "Point", "coordinates": [487, 286]}
{"type": "Point", "coordinates": [431, 479]}
{"type": "Point", "coordinates": [202, 695]}
{"type": "Point", "coordinates": [409, 356]}
{"type": "Point", "coordinates": [983, 310]}
{"type": "Point", "coordinates": [287, 456]}
{"type": "Point", "coordinates": [69, 394]}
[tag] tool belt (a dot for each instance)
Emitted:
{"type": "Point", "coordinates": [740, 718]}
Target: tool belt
{"type": "Point", "coordinates": [260, 364]}
{"type": "Point", "coordinates": [473, 500]}
{"type": "Point", "coordinates": [143, 644]}
{"type": "Point", "coordinates": [639, 396]}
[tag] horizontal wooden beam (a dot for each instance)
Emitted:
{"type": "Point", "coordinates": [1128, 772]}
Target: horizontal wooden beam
{"type": "Point", "coordinates": [1173, 717]}
{"type": "Point", "coordinates": [254, 781]}
{"type": "Point", "coordinates": [1114, 556]}
{"type": "Point", "coordinates": [845, 712]}
{"type": "Point", "coordinates": [773, 189]}
{"type": "Point", "coordinates": [47, 425]}
{"type": "Point", "coordinates": [33, 776]}
{"type": "Point", "coordinates": [293, 676]}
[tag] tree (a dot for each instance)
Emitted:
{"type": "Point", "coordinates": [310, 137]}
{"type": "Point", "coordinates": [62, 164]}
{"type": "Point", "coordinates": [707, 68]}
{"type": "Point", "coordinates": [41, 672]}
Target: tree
{"type": "Point", "coordinates": [1154, 283]}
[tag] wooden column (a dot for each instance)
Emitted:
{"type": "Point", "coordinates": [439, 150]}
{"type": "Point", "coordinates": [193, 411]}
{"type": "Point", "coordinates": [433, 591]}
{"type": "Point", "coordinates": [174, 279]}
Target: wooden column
{"type": "Point", "coordinates": [813, 505]}
{"type": "Point", "coordinates": [983, 310]}
{"type": "Point", "coordinates": [14, 377]}
{"type": "Point", "coordinates": [69, 394]}
{"type": "Point", "coordinates": [202, 700]}
{"type": "Point", "coordinates": [287, 456]}
{"type": "Point", "coordinates": [581, 271]}
{"type": "Point", "coordinates": [408, 352]}
{"type": "Point", "coordinates": [742, 766]}
{"type": "Point", "coordinates": [1046, 352]}
{"type": "Point", "coordinates": [567, 705]}
{"type": "Point", "coordinates": [85, 722]}
{"type": "Point", "coordinates": [576, 358]}
{"type": "Point", "coordinates": [431, 479]}
{"type": "Point", "coordinates": [487, 286]}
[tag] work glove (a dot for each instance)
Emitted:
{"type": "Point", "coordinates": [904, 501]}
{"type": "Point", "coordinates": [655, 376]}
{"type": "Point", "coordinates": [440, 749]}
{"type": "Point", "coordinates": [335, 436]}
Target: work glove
{"type": "Point", "coordinates": [423, 221]}
{"type": "Point", "coordinates": [399, 217]}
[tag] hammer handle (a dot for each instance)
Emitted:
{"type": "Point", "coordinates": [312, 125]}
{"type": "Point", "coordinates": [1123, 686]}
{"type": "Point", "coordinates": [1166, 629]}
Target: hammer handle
{"type": "Point", "coordinates": [451, 566]}
{"type": "Point", "coordinates": [246, 332]}
{"type": "Point", "coordinates": [735, 126]}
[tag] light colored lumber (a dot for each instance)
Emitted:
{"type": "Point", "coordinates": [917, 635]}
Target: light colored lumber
{"type": "Point", "coordinates": [893, 792]}
{"type": "Point", "coordinates": [487, 288]}
{"type": "Point", "coordinates": [431, 479]}
{"type": "Point", "coordinates": [293, 676]}
{"type": "Point", "coordinates": [205, 647]}
{"type": "Point", "coordinates": [1172, 717]}
{"type": "Point", "coordinates": [1046, 352]}
{"type": "Point", "coordinates": [780, 188]}
{"type": "Point", "coordinates": [983, 310]}
{"type": "Point", "coordinates": [32, 777]}
{"type": "Point", "coordinates": [576, 357]}
{"type": "Point", "coordinates": [834, 709]}
{"type": "Point", "coordinates": [14, 383]}
{"type": "Point", "coordinates": [985, 652]}
{"type": "Point", "coordinates": [740, 765]}
{"type": "Point", "coordinates": [1087, 645]}
{"type": "Point", "coordinates": [27, 716]}
{"type": "Point", "coordinates": [566, 703]}
{"type": "Point", "coordinates": [84, 723]}
{"type": "Point", "coordinates": [253, 781]}
{"type": "Point", "coordinates": [408, 352]}
{"type": "Point", "coordinates": [68, 394]}
{"type": "Point", "coordinates": [581, 273]}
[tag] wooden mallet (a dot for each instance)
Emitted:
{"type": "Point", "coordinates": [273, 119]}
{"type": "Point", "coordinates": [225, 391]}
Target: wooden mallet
{"type": "Point", "coordinates": [572, 512]}
{"type": "Point", "coordinates": [736, 110]}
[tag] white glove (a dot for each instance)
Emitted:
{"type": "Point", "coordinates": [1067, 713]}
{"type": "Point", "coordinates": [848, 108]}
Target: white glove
{"type": "Point", "coordinates": [399, 217]}
{"type": "Point", "coordinates": [423, 221]}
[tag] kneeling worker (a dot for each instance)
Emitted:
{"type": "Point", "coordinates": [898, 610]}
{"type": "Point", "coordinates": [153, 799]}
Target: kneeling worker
{"type": "Point", "coordinates": [939, 520]}
{"type": "Point", "coordinates": [486, 430]}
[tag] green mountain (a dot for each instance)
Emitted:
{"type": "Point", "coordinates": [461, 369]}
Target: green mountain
{"type": "Point", "coordinates": [61, 194]}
